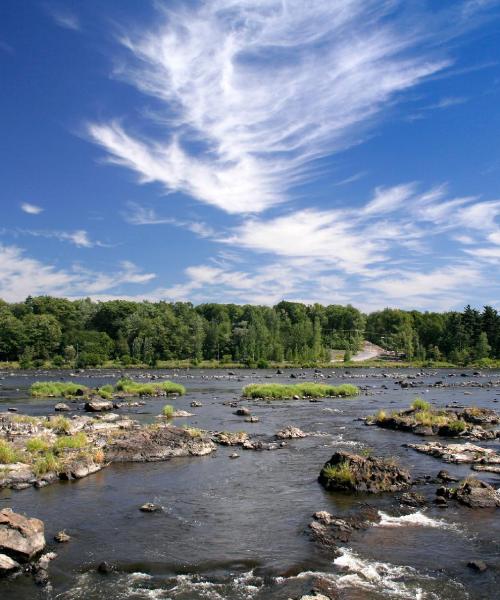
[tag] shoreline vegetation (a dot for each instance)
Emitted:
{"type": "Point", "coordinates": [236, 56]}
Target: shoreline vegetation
{"type": "Point", "coordinates": [124, 387]}
{"type": "Point", "coordinates": [49, 365]}
{"type": "Point", "coordinates": [275, 391]}
{"type": "Point", "coordinates": [47, 332]}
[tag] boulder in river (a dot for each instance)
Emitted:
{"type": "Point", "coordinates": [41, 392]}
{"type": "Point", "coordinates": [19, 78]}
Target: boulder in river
{"type": "Point", "coordinates": [150, 507]}
{"type": "Point", "coordinates": [290, 433]}
{"type": "Point", "coordinates": [354, 473]}
{"type": "Point", "coordinates": [473, 493]}
{"type": "Point", "coordinates": [477, 565]}
{"type": "Point", "coordinates": [243, 412]}
{"type": "Point", "coordinates": [329, 530]}
{"type": "Point", "coordinates": [61, 537]}
{"type": "Point", "coordinates": [7, 565]}
{"type": "Point", "coordinates": [230, 438]}
{"type": "Point", "coordinates": [98, 405]}
{"type": "Point", "coordinates": [61, 407]}
{"type": "Point", "coordinates": [21, 538]}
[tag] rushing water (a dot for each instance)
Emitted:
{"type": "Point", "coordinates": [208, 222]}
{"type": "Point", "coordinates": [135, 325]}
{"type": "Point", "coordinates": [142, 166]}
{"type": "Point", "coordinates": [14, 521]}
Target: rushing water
{"type": "Point", "coordinates": [237, 529]}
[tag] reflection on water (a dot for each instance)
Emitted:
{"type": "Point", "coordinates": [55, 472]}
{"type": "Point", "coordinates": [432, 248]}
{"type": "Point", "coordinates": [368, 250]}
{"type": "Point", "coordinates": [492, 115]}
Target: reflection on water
{"type": "Point", "coordinates": [237, 529]}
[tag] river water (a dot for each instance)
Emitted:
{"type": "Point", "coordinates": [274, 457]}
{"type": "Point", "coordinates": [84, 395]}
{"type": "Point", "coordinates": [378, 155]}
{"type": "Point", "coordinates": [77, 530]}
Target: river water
{"type": "Point", "coordinates": [237, 529]}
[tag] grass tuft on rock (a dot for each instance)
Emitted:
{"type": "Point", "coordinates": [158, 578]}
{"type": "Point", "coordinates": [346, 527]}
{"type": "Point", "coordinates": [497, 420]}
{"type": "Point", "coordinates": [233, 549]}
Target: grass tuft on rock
{"type": "Point", "coordinates": [57, 389]}
{"type": "Point", "coordinates": [8, 454]}
{"type": "Point", "coordinates": [301, 390]}
{"type": "Point", "coordinates": [46, 464]}
{"type": "Point", "coordinates": [168, 411]}
{"type": "Point", "coordinates": [341, 474]}
{"type": "Point", "coordinates": [421, 404]}
{"type": "Point", "coordinates": [37, 444]}
{"type": "Point", "coordinates": [149, 389]}
{"type": "Point", "coordinates": [59, 424]}
{"type": "Point", "coordinates": [76, 441]}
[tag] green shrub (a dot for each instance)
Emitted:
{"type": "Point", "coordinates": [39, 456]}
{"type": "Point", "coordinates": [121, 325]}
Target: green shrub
{"type": "Point", "coordinates": [47, 389]}
{"type": "Point", "coordinates": [303, 390]}
{"type": "Point", "coordinates": [168, 411]}
{"type": "Point", "coordinates": [420, 404]}
{"type": "Point", "coordinates": [8, 454]}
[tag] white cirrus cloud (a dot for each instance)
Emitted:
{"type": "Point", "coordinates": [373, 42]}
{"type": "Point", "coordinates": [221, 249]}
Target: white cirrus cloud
{"type": "Point", "coordinates": [137, 214]}
{"type": "Point", "coordinates": [31, 209]}
{"type": "Point", "coordinates": [262, 88]}
{"type": "Point", "coordinates": [63, 17]}
{"type": "Point", "coordinates": [21, 276]}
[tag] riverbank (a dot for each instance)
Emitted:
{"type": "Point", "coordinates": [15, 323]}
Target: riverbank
{"type": "Point", "coordinates": [383, 363]}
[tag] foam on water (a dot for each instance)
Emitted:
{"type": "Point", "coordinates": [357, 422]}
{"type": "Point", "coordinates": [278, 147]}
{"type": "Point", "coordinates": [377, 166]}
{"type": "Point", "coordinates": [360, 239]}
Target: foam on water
{"type": "Point", "coordinates": [140, 586]}
{"type": "Point", "coordinates": [393, 581]}
{"type": "Point", "coordinates": [416, 519]}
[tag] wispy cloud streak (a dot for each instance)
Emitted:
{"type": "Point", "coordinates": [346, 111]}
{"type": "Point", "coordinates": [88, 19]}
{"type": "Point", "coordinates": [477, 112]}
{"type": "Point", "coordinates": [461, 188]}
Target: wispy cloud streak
{"type": "Point", "coordinates": [262, 88]}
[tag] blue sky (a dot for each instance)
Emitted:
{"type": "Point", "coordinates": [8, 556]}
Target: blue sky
{"type": "Point", "coordinates": [251, 151]}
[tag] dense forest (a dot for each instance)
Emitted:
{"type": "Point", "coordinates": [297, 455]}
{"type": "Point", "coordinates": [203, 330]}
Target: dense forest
{"type": "Point", "coordinates": [83, 333]}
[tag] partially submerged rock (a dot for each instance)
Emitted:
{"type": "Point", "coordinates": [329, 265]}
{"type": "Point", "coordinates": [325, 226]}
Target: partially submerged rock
{"type": "Point", "coordinates": [155, 443]}
{"type": "Point", "coordinates": [61, 537]}
{"type": "Point", "coordinates": [471, 423]}
{"type": "Point", "coordinates": [290, 433]}
{"type": "Point", "coordinates": [354, 473]}
{"type": "Point", "coordinates": [98, 405]}
{"type": "Point", "coordinates": [329, 530]}
{"type": "Point", "coordinates": [485, 459]}
{"type": "Point", "coordinates": [230, 438]}
{"type": "Point", "coordinates": [8, 564]}
{"type": "Point", "coordinates": [150, 507]}
{"type": "Point", "coordinates": [21, 538]}
{"type": "Point", "coordinates": [473, 493]}
{"type": "Point", "coordinates": [61, 407]}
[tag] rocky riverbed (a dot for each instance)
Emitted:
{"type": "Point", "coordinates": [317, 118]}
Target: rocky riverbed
{"type": "Point", "coordinates": [167, 514]}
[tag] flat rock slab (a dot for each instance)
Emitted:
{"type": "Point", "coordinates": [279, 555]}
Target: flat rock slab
{"type": "Point", "coordinates": [154, 444]}
{"type": "Point", "coordinates": [459, 453]}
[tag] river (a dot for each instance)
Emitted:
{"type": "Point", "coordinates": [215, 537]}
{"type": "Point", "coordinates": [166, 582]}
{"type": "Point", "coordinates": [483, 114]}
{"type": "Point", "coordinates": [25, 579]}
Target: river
{"type": "Point", "coordinates": [238, 529]}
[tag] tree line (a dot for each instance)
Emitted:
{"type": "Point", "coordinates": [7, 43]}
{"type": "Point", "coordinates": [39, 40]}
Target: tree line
{"type": "Point", "coordinates": [84, 333]}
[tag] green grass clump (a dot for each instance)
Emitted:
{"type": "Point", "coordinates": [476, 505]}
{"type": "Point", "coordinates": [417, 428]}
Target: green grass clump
{"type": "Point", "coordinates": [76, 441]}
{"type": "Point", "coordinates": [59, 424]}
{"type": "Point", "coordinates": [46, 389]}
{"type": "Point", "coordinates": [37, 444]}
{"type": "Point", "coordinates": [24, 419]}
{"type": "Point", "coordinates": [420, 404]}
{"type": "Point", "coordinates": [380, 416]}
{"type": "Point", "coordinates": [8, 454]}
{"type": "Point", "coordinates": [46, 464]}
{"type": "Point", "coordinates": [303, 390]}
{"type": "Point", "coordinates": [106, 392]}
{"type": "Point", "coordinates": [168, 411]}
{"type": "Point", "coordinates": [149, 389]}
{"type": "Point", "coordinates": [428, 418]}
{"type": "Point", "coordinates": [341, 474]}
{"type": "Point", "coordinates": [194, 432]}
{"type": "Point", "coordinates": [457, 426]}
